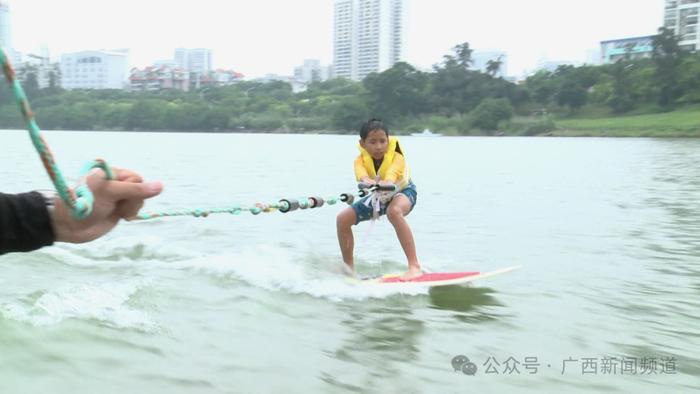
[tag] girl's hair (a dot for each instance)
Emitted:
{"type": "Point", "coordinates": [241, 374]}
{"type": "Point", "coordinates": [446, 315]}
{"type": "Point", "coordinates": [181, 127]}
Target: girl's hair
{"type": "Point", "coordinates": [372, 125]}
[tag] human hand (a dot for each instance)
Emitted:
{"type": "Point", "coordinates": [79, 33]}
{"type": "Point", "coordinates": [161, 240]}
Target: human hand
{"type": "Point", "coordinates": [116, 199]}
{"type": "Point", "coordinates": [368, 181]}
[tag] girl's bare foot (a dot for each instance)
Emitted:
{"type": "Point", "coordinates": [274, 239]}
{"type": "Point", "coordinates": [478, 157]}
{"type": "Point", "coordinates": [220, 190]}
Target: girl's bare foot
{"type": "Point", "coordinates": [348, 271]}
{"type": "Point", "coordinates": [412, 273]}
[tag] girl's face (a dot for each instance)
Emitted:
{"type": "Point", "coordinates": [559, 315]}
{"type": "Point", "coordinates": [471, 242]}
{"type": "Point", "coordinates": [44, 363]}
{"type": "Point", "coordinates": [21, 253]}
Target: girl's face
{"type": "Point", "coordinates": [376, 143]}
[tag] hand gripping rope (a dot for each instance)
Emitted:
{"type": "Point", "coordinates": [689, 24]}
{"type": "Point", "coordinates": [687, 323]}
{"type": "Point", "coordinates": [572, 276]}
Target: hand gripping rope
{"type": "Point", "coordinates": [79, 201]}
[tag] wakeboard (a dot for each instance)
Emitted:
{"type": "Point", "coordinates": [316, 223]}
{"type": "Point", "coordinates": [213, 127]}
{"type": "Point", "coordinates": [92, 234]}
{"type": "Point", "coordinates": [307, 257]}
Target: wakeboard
{"type": "Point", "coordinates": [433, 279]}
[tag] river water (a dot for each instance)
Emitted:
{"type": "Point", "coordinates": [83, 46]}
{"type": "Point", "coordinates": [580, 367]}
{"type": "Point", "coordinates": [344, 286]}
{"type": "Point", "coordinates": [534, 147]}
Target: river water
{"type": "Point", "coordinates": [607, 232]}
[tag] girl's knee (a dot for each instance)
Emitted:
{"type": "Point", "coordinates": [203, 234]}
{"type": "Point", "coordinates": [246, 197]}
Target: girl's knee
{"type": "Point", "coordinates": [346, 218]}
{"type": "Point", "coordinates": [394, 212]}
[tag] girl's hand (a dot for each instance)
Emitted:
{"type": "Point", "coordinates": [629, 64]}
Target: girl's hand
{"type": "Point", "coordinates": [368, 181]}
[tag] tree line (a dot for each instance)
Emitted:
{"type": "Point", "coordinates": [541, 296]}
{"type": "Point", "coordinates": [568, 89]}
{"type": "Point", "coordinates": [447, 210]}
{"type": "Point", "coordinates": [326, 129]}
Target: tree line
{"type": "Point", "coordinates": [451, 96]}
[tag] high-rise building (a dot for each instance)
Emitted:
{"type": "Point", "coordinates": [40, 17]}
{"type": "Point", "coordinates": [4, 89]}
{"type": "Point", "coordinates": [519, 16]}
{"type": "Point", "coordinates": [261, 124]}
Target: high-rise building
{"type": "Point", "coordinates": [94, 70]}
{"type": "Point", "coordinates": [5, 39]}
{"type": "Point", "coordinates": [181, 58]}
{"type": "Point", "coordinates": [369, 36]}
{"type": "Point", "coordinates": [196, 60]}
{"type": "Point", "coordinates": [200, 60]}
{"type": "Point", "coordinates": [681, 16]}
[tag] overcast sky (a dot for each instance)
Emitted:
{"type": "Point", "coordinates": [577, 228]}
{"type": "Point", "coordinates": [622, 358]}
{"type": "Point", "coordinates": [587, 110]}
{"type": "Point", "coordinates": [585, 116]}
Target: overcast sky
{"type": "Point", "coordinates": [257, 37]}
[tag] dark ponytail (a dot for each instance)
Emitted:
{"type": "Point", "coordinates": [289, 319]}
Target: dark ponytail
{"type": "Point", "coordinates": [372, 125]}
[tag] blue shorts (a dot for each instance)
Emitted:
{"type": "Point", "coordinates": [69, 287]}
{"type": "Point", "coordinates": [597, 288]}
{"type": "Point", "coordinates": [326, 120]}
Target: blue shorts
{"type": "Point", "coordinates": [364, 212]}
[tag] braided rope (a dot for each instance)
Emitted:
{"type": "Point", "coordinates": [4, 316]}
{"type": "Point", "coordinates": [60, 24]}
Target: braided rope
{"type": "Point", "coordinates": [79, 201]}
{"type": "Point", "coordinates": [285, 205]}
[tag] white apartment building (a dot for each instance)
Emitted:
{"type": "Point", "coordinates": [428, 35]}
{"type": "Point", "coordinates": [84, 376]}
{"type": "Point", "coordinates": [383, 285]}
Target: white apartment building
{"type": "Point", "coordinates": [196, 60]}
{"type": "Point", "coordinates": [94, 70]}
{"type": "Point", "coordinates": [626, 48]}
{"type": "Point", "coordinates": [368, 36]}
{"type": "Point", "coordinates": [681, 16]}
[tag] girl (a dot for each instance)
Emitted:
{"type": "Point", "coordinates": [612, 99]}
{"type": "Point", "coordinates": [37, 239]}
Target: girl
{"type": "Point", "coordinates": [381, 161]}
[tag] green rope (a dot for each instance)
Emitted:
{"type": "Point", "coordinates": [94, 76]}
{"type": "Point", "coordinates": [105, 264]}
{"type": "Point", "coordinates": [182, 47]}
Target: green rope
{"type": "Point", "coordinates": [255, 209]}
{"type": "Point", "coordinates": [79, 202]}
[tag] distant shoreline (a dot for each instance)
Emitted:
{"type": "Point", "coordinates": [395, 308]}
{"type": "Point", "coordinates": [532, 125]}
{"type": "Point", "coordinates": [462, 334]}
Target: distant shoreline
{"type": "Point", "coordinates": [682, 123]}
{"type": "Point", "coordinates": [560, 133]}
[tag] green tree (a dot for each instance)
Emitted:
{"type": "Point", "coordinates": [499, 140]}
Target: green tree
{"type": "Point", "coordinates": [667, 56]}
{"type": "Point", "coordinates": [572, 95]}
{"type": "Point", "coordinates": [449, 88]}
{"type": "Point", "coordinates": [493, 66]}
{"type": "Point", "coordinates": [146, 114]}
{"type": "Point", "coordinates": [542, 86]}
{"type": "Point", "coordinates": [463, 54]}
{"type": "Point", "coordinates": [217, 119]}
{"type": "Point", "coordinates": [490, 112]}
{"type": "Point", "coordinates": [10, 118]}
{"type": "Point", "coordinates": [690, 78]}
{"type": "Point", "coordinates": [621, 100]}
{"type": "Point", "coordinates": [350, 113]}
{"type": "Point", "coordinates": [333, 87]}
{"type": "Point", "coordinates": [185, 116]}
{"type": "Point", "coordinates": [83, 116]}
{"type": "Point", "coordinates": [116, 116]}
{"type": "Point", "coordinates": [396, 92]}
{"type": "Point", "coordinates": [54, 77]}
{"type": "Point", "coordinates": [31, 85]}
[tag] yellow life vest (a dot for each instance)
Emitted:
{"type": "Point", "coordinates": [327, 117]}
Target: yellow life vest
{"type": "Point", "coordinates": [387, 161]}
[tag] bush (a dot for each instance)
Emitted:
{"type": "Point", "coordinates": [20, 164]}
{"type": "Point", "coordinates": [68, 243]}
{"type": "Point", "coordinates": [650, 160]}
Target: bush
{"type": "Point", "coordinates": [540, 127]}
{"type": "Point", "coordinates": [450, 125]}
{"type": "Point", "coordinates": [260, 122]}
{"type": "Point", "coordinates": [349, 114]}
{"type": "Point", "coordinates": [308, 124]}
{"type": "Point", "coordinates": [490, 112]}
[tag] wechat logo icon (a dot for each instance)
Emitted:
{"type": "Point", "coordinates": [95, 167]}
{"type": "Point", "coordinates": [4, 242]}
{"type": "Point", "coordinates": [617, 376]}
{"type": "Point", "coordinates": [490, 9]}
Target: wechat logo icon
{"type": "Point", "coordinates": [462, 363]}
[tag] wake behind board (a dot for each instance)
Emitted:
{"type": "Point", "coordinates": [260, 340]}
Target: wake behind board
{"type": "Point", "coordinates": [435, 278]}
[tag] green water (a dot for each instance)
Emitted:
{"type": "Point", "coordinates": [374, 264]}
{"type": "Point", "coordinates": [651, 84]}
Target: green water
{"type": "Point", "coordinates": [607, 232]}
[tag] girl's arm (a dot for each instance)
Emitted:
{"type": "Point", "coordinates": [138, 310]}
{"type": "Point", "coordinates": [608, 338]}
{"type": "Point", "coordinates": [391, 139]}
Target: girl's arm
{"type": "Point", "coordinates": [396, 170]}
{"type": "Point", "coordinates": [361, 174]}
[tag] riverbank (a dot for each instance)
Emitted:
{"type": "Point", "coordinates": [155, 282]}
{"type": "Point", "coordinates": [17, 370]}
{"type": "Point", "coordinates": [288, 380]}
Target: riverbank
{"type": "Point", "coordinates": [680, 123]}
{"type": "Point", "coordinates": [589, 122]}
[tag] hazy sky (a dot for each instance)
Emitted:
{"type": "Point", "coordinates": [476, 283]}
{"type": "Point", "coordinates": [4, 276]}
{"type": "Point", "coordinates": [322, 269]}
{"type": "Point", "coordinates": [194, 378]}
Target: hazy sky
{"type": "Point", "coordinates": [257, 37]}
